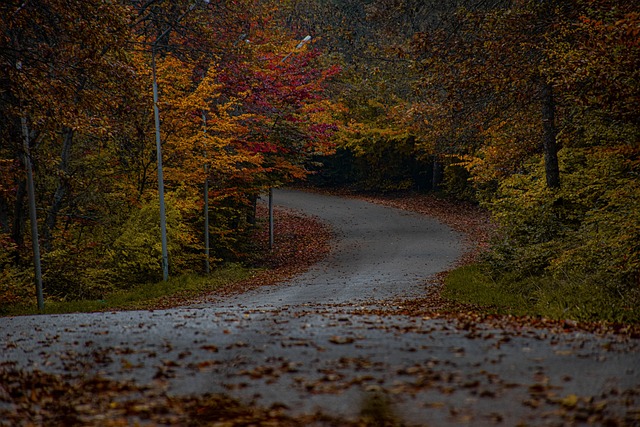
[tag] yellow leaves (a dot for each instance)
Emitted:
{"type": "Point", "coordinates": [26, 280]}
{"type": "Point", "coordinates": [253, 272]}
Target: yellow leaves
{"type": "Point", "coordinates": [181, 94]}
{"type": "Point", "coordinates": [570, 401]}
{"type": "Point", "coordinates": [366, 138]}
{"type": "Point", "coordinates": [507, 145]}
{"type": "Point", "coordinates": [199, 130]}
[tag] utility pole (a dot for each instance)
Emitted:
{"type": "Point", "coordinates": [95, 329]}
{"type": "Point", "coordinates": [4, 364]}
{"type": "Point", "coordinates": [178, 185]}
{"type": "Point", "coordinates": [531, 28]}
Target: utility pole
{"type": "Point", "coordinates": [156, 114]}
{"type": "Point", "coordinates": [207, 266]}
{"type": "Point", "coordinates": [270, 217]}
{"type": "Point", "coordinates": [33, 216]}
{"type": "Point", "coordinates": [163, 215]}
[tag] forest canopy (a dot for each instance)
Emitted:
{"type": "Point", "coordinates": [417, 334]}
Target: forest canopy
{"type": "Point", "coordinates": [241, 108]}
{"type": "Point", "coordinates": [529, 108]}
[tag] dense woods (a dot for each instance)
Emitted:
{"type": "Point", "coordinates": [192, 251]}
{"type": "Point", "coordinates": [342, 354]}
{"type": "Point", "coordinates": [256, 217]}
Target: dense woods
{"type": "Point", "coordinates": [236, 111]}
{"type": "Point", "coordinates": [529, 108]}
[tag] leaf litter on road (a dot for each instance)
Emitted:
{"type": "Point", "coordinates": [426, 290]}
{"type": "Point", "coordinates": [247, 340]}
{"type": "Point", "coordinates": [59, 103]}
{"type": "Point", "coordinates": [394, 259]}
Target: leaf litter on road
{"type": "Point", "coordinates": [31, 397]}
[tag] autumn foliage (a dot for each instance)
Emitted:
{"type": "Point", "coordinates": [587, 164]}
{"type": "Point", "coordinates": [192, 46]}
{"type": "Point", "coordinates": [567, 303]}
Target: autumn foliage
{"type": "Point", "coordinates": [529, 108]}
{"type": "Point", "coordinates": [241, 106]}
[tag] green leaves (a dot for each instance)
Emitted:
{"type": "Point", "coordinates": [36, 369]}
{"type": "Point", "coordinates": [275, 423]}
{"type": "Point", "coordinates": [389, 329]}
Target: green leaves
{"type": "Point", "coordinates": [233, 113]}
{"type": "Point", "coordinates": [581, 239]}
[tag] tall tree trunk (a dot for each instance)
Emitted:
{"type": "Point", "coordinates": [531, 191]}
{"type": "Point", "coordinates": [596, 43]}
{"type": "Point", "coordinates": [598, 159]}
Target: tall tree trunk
{"type": "Point", "coordinates": [61, 190]}
{"type": "Point", "coordinates": [436, 177]}
{"type": "Point", "coordinates": [4, 216]}
{"type": "Point", "coordinates": [19, 214]}
{"type": "Point", "coordinates": [253, 209]}
{"type": "Point", "coordinates": [35, 241]}
{"type": "Point", "coordinates": [549, 135]}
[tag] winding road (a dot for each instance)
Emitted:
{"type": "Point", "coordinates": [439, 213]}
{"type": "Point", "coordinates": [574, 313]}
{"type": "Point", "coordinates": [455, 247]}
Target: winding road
{"type": "Point", "coordinates": [306, 345]}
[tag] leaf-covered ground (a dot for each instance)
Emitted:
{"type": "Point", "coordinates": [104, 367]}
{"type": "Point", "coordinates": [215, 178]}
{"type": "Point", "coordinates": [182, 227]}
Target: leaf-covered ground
{"type": "Point", "coordinates": [38, 398]}
{"type": "Point", "coordinates": [475, 225]}
{"type": "Point", "coordinates": [299, 242]}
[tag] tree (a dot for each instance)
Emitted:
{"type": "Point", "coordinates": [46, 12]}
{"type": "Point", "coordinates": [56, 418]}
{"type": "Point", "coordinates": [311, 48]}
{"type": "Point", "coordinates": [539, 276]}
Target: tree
{"type": "Point", "coordinates": [80, 76]}
{"type": "Point", "coordinates": [546, 89]}
{"type": "Point", "coordinates": [57, 58]}
{"type": "Point", "coordinates": [482, 70]}
{"type": "Point", "coordinates": [367, 40]}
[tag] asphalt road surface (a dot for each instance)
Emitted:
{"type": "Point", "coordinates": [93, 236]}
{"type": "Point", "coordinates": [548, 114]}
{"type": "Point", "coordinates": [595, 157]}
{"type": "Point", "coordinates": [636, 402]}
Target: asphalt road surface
{"type": "Point", "coordinates": [305, 344]}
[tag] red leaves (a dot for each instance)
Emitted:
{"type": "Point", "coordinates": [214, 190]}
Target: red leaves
{"type": "Point", "coordinates": [299, 242]}
{"type": "Point", "coordinates": [283, 105]}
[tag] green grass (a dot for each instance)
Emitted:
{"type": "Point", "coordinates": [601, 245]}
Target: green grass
{"type": "Point", "coordinates": [145, 296]}
{"type": "Point", "coordinates": [573, 297]}
{"type": "Point", "coordinates": [472, 285]}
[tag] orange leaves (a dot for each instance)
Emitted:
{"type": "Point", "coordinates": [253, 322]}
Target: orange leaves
{"type": "Point", "coordinates": [482, 78]}
{"type": "Point", "coordinates": [200, 128]}
{"type": "Point", "coordinates": [231, 111]}
{"type": "Point", "coordinates": [596, 57]}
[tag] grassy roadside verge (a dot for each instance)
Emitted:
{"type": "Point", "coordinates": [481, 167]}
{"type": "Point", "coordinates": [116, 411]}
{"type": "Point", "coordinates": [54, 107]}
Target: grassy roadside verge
{"type": "Point", "coordinates": [469, 284]}
{"type": "Point", "coordinates": [147, 296]}
{"type": "Point", "coordinates": [300, 242]}
{"type": "Point", "coordinates": [543, 296]}
{"type": "Point", "coordinates": [540, 296]}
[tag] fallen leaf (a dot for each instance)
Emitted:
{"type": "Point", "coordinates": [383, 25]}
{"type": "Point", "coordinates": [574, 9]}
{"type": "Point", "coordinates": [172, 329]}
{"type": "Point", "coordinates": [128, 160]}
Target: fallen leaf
{"type": "Point", "coordinates": [336, 339]}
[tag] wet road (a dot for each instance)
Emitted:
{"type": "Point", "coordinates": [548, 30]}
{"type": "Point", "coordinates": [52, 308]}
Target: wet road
{"type": "Point", "coordinates": [380, 253]}
{"type": "Point", "coordinates": [301, 344]}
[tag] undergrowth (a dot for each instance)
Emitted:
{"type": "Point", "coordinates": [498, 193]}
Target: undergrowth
{"type": "Point", "coordinates": [574, 297]}
{"type": "Point", "coordinates": [144, 296]}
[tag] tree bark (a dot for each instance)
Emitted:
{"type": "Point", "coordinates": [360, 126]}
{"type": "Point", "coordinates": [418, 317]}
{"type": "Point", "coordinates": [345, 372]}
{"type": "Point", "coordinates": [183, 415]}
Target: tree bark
{"type": "Point", "coordinates": [19, 214]}
{"type": "Point", "coordinates": [253, 208]}
{"type": "Point", "coordinates": [61, 190]}
{"type": "Point", "coordinates": [4, 216]}
{"type": "Point", "coordinates": [549, 135]}
{"type": "Point", "coordinates": [436, 177]}
{"type": "Point", "coordinates": [35, 242]}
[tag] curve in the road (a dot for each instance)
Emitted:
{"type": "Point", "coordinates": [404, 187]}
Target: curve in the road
{"type": "Point", "coordinates": [257, 348]}
{"type": "Point", "coordinates": [380, 253]}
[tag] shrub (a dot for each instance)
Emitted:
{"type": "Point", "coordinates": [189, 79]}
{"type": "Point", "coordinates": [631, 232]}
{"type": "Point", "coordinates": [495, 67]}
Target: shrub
{"type": "Point", "coordinates": [75, 273]}
{"type": "Point", "coordinates": [136, 254]}
{"type": "Point", "coordinates": [16, 284]}
{"type": "Point", "coordinates": [582, 239]}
